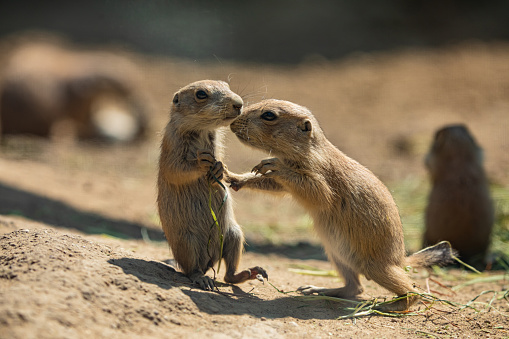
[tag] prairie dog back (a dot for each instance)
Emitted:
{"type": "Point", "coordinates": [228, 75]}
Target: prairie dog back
{"type": "Point", "coordinates": [460, 208]}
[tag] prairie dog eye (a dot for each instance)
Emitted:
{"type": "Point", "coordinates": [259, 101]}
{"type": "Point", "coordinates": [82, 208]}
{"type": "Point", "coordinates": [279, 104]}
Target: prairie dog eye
{"type": "Point", "coordinates": [269, 116]}
{"type": "Point", "coordinates": [201, 95]}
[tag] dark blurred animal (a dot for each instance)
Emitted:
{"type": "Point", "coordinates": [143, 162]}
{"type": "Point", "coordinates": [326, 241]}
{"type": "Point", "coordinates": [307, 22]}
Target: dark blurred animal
{"type": "Point", "coordinates": [460, 208]}
{"type": "Point", "coordinates": [46, 86]}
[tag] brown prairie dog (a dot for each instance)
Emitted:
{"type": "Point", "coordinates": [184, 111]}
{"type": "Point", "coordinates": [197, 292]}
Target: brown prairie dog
{"type": "Point", "coordinates": [94, 95]}
{"type": "Point", "coordinates": [460, 208]}
{"type": "Point", "coordinates": [191, 152]}
{"type": "Point", "coordinates": [354, 214]}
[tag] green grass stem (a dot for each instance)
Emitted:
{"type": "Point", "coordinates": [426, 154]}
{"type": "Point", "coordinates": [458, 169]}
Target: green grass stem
{"type": "Point", "coordinates": [216, 222]}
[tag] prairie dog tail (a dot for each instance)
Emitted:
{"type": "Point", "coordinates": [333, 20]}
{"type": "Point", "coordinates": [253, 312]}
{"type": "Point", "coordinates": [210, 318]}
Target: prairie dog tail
{"type": "Point", "coordinates": [440, 254]}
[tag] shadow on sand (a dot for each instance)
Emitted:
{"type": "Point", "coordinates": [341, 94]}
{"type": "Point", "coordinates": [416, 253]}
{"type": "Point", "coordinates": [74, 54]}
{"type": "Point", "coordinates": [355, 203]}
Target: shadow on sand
{"type": "Point", "coordinates": [14, 201]}
{"type": "Point", "coordinates": [241, 299]}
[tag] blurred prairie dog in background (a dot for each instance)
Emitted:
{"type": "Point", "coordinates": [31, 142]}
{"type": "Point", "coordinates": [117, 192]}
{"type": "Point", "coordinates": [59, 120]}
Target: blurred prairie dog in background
{"type": "Point", "coordinates": [51, 90]}
{"type": "Point", "coordinates": [191, 153]}
{"type": "Point", "coordinates": [354, 214]}
{"type": "Point", "coordinates": [460, 208]}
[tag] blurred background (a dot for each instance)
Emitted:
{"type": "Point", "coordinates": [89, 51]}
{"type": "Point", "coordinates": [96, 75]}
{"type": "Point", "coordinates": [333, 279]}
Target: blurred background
{"type": "Point", "coordinates": [266, 31]}
{"type": "Point", "coordinates": [86, 86]}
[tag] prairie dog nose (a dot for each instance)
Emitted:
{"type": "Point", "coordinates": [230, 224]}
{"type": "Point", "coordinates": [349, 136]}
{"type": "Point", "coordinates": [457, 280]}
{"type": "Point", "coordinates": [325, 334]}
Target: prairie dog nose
{"type": "Point", "coordinates": [237, 103]}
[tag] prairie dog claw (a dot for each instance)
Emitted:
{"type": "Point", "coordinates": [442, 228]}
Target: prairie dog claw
{"type": "Point", "coordinates": [258, 273]}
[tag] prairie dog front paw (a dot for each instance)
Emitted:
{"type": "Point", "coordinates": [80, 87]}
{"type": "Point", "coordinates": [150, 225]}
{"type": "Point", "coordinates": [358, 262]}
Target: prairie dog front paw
{"type": "Point", "coordinates": [205, 159]}
{"type": "Point", "coordinates": [266, 165]}
{"type": "Point", "coordinates": [216, 172]}
{"type": "Point", "coordinates": [236, 185]}
{"type": "Point", "coordinates": [237, 181]}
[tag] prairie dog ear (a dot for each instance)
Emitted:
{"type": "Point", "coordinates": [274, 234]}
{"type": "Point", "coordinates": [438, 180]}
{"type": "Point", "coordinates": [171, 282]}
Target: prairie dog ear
{"type": "Point", "coordinates": [305, 125]}
{"type": "Point", "coordinates": [176, 98]}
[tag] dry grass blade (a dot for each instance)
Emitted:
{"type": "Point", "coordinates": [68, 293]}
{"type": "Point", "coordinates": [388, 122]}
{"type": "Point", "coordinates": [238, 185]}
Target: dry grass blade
{"type": "Point", "coordinates": [279, 291]}
{"type": "Point", "coordinates": [480, 280]}
{"type": "Point", "coordinates": [373, 306]}
{"type": "Point", "coordinates": [320, 273]}
{"type": "Point", "coordinates": [466, 265]}
{"type": "Point", "coordinates": [324, 297]}
{"type": "Point", "coordinates": [421, 332]}
{"type": "Point", "coordinates": [489, 305]}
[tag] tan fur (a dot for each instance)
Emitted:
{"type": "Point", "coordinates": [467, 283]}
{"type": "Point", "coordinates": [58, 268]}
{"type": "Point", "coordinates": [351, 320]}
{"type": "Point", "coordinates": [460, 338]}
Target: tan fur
{"type": "Point", "coordinates": [354, 213]}
{"type": "Point", "coordinates": [191, 150]}
{"type": "Point", "coordinates": [460, 208]}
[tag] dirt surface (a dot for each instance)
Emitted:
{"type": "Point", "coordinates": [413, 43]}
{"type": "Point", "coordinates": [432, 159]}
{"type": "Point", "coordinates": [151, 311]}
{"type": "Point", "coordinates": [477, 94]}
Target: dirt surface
{"type": "Point", "coordinates": [82, 253]}
{"type": "Point", "coordinates": [59, 284]}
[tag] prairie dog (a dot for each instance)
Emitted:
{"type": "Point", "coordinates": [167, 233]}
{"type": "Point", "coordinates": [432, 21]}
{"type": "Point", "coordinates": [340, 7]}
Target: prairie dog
{"type": "Point", "coordinates": [354, 214]}
{"type": "Point", "coordinates": [94, 94]}
{"type": "Point", "coordinates": [191, 151]}
{"type": "Point", "coordinates": [460, 208]}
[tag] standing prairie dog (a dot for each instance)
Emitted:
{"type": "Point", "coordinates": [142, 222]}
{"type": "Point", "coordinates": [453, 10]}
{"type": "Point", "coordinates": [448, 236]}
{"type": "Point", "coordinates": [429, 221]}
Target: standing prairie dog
{"type": "Point", "coordinates": [354, 214]}
{"type": "Point", "coordinates": [460, 208]}
{"type": "Point", "coordinates": [191, 151]}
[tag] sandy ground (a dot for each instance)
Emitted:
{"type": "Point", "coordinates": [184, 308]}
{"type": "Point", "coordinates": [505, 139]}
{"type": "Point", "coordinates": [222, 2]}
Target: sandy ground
{"type": "Point", "coordinates": [81, 250]}
{"type": "Point", "coordinates": [60, 284]}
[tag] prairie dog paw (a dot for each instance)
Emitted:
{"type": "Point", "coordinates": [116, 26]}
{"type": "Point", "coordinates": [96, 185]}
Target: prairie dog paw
{"type": "Point", "coordinates": [272, 164]}
{"type": "Point", "coordinates": [236, 181]}
{"type": "Point", "coordinates": [205, 159]}
{"type": "Point", "coordinates": [258, 273]}
{"type": "Point", "coordinates": [309, 289]}
{"type": "Point", "coordinates": [216, 172]}
{"type": "Point", "coordinates": [206, 283]}
{"type": "Point", "coordinates": [235, 184]}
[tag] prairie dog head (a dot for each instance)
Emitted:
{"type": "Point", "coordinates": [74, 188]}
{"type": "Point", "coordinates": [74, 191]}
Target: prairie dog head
{"type": "Point", "coordinates": [276, 126]}
{"type": "Point", "coordinates": [205, 105]}
{"type": "Point", "coordinates": [453, 146]}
